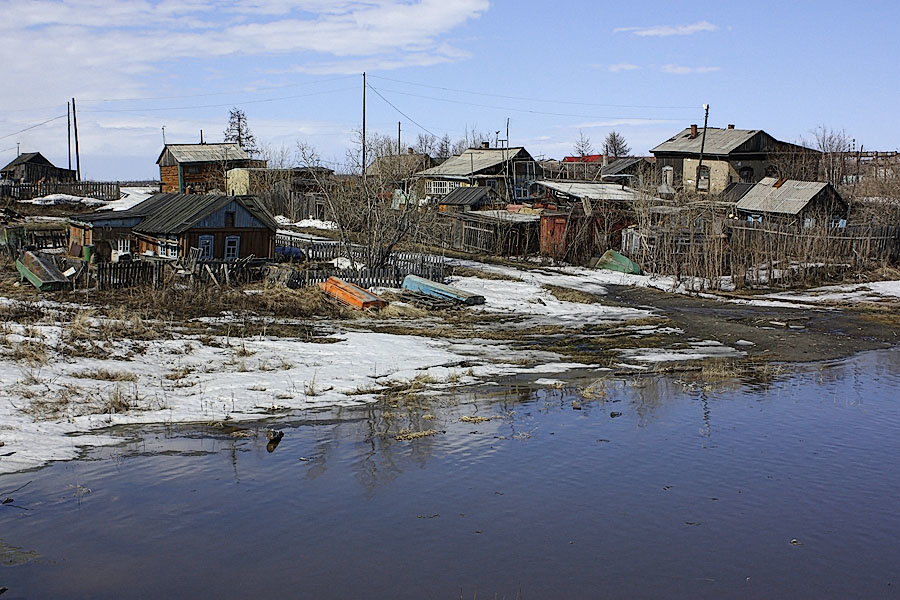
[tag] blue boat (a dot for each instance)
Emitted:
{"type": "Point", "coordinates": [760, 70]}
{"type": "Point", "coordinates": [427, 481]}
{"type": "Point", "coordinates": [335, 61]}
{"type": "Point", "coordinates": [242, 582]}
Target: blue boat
{"type": "Point", "coordinates": [439, 290]}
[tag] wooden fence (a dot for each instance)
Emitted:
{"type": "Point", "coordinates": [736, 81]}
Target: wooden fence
{"type": "Point", "coordinates": [128, 274]}
{"type": "Point", "coordinates": [99, 190]}
{"type": "Point", "coordinates": [390, 277]}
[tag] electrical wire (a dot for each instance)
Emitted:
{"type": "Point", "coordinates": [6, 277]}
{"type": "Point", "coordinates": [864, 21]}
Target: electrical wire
{"type": "Point", "coordinates": [526, 99]}
{"type": "Point", "coordinates": [535, 112]}
{"type": "Point", "coordinates": [400, 111]}
{"type": "Point", "coordinates": [3, 137]}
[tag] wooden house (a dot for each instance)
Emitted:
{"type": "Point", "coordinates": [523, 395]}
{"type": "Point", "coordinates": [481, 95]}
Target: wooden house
{"type": "Point", "coordinates": [200, 168]}
{"type": "Point", "coordinates": [169, 225]}
{"type": "Point", "coordinates": [588, 217]}
{"type": "Point", "coordinates": [728, 155]}
{"type": "Point", "coordinates": [787, 201]}
{"type": "Point", "coordinates": [32, 167]}
{"type": "Point", "coordinates": [492, 232]}
{"type": "Point", "coordinates": [395, 170]}
{"type": "Point", "coordinates": [506, 170]}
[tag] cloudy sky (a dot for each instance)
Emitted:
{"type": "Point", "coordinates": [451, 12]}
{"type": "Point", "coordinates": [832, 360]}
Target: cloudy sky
{"type": "Point", "coordinates": [438, 66]}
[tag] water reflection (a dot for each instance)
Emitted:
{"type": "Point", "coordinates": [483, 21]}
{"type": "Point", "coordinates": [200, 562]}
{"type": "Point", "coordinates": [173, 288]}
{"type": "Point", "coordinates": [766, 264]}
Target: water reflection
{"type": "Point", "coordinates": [516, 502]}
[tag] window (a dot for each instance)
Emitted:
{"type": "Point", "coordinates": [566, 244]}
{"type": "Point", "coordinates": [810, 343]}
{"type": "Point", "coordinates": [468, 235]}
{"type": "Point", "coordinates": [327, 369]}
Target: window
{"type": "Point", "coordinates": [491, 183]}
{"type": "Point", "coordinates": [206, 246]}
{"type": "Point", "coordinates": [441, 188]}
{"type": "Point", "coordinates": [703, 178]}
{"type": "Point", "coordinates": [232, 247]}
{"type": "Point", "coordinates": [668, 176]}
{"type": "Point", "coordinates": [809, 222]}
{"type": "Point", "coordinates": [123, 246]}
{"type": "Point", "coordinates": [746, 174]}
{"type": "Point", "coordinates": [167, 247]}
{"type": "Point", "coordinates": [229, 218]}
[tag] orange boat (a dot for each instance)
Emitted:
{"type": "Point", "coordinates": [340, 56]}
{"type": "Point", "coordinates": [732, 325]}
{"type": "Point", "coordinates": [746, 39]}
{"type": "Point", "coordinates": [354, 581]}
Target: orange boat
{"type": "Point", "coordinates": [350, 294]}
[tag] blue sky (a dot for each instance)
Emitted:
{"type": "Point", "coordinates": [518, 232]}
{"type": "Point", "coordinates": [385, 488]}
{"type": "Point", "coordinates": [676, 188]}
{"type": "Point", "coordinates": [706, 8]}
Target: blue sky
{"type": "Point", "coordinates": [643, 69]}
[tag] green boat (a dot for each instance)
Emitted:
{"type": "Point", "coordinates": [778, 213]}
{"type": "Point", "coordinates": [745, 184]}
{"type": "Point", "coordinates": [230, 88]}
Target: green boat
{"type": "Point", "coordinates": [613, 261]}
{"type": "Point", "coordinates": [41, 271]}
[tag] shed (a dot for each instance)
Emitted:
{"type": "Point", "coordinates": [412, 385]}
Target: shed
{"type": "Point", "coordinates": [788, 200]}
{"type": "Point", "coordinates": [32, 167]}
{"type": "Point", "coordinates": [469, 198]}
{"type": "Point", "coordinates": [200, 167]}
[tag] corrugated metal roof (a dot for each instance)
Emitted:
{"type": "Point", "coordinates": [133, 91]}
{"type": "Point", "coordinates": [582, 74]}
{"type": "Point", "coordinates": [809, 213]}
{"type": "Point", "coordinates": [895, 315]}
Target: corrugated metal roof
{"type": "Point", "coordinates": [466, 196]}
{"type": "Point", "coordinates": [188, 153]}
{"type": "Point", "coordinates": [789, 198]}
{"type": "Point", "coordinates": [718, 141]}
{"type": "Point", "coordinates": [474, 160]}
{"type": "Point", "coordinates": [591, 191]}
{"type": "Point", "coordinates": [176, 213]}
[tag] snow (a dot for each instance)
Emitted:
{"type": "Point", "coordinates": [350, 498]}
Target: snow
{"type": "Point", "coordinates": [57, 199]}
{"type": "Point", "coordinates": [875, 291]}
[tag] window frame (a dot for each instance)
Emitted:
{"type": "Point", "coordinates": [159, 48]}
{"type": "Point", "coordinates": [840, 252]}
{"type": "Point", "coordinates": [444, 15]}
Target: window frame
{"type": "Point", "coordinates": [236, 239]}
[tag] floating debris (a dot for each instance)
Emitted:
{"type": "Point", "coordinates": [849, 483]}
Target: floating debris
{"type": "Point", "coordinates": [475, 419]}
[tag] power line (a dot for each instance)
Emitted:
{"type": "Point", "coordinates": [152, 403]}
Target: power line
{"type": "Point", "coordinates": [535, 112]}
{"type": "Point", "coordinates": [31, 127]}
{"type": "Point", "coordinates": [524, 98]}
{"type": "Point", "coordinates": [401, 112]}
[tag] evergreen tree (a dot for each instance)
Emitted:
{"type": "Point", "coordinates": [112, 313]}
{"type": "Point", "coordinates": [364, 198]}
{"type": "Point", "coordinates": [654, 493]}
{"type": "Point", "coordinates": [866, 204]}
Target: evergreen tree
{"type": "Point", "coordinates": [238, 132]}
{"type": "Point", "coordinates": [615, 145]}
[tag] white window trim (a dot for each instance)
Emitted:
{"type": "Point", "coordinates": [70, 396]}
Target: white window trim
{"type": "Point", "coordinates": [237, 247]}
{"type": "Point", "coordinates": [210, 249]}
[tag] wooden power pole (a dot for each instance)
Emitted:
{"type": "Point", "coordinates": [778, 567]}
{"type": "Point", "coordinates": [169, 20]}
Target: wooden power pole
{"type": "Point", "coordinates": [77, 153]}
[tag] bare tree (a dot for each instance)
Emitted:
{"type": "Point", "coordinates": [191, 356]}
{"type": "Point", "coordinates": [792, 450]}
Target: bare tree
{"type": "Point", "coordinates": [239, 132]}
{"type": "Point", "coordinates": [426, 144]}
{"type": "Point", "coordinates": [833, 145]}
{"type": "Point", "coordinates": [583, 146]}
{"type": "Point", "coordinates": [615, 145]}
{"type": "Point", "coordinates": [444, 147]}
{"type": "Point", "coordinates": [371, 221]}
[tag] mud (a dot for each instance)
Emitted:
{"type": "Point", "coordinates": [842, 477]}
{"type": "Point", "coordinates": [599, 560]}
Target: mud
{"type": "Point", "coordinates": [780, 334]}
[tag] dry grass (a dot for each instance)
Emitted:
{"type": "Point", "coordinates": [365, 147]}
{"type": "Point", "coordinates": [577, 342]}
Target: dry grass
{"type": "Point", "coordinates": [475, 419]}
{"type": "Point", "coordinates": [179, 373]}
{"type": "Point", "coordinates": [564, 294]}
{"type": "Point", "coordinates": [105, 375]}
{"type": "Point", "coordinates": [719, 370]}
{"type": "Point", "coordinates": [405, 435]}
{"type": "Point", "coordinates": [459, 271]}
{"type": "Point", "coordinates": [29, 352]}
{"type": "Point", "coordinates": [401, 311]}
{"type": "Point", "coordinates": [596, 390]}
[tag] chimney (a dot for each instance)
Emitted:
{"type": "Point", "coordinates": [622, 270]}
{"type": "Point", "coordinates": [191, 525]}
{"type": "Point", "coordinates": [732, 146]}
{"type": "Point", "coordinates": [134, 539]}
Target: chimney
{"type": "Point", "coordinates": [605, 162]}
{"type": "Point", "coordinates": [409, 151]}
{"type": "Point", "coordinates": [731, 126]}
{"type": "Point", "coordinates": [485, 145]}
{"type": "Point", "coordinates": [693, 130]}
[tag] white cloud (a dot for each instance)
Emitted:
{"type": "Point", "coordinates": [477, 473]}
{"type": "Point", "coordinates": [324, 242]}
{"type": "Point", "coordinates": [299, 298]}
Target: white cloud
{"type": "Point", "coordinates": [682, 70]}
{"type": "Point", "coordinates": [667, 30]}
{"type": "Point", "coordinates": [117, 49]}
{"type": "Point", "coordinates": [622, 67]}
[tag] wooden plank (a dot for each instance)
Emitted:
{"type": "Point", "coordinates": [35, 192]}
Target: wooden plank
{"type": "Point", "coordinates": [350, 294]}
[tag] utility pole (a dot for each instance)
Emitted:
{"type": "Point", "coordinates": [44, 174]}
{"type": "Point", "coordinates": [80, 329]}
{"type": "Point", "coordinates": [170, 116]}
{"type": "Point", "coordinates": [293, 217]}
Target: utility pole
{"type": "Point", "coordinates": [364, 130]}
{"type": "Point", "coordinates": [164, 134]}
{"type": "Point", "coordinates": [77, 153]}
{"type": "Point", "coordinates": [702, 147]}
{"type": "Point", "coordinates": [69, 131]}
{"type": "Point", "coordinates": [398, 137]}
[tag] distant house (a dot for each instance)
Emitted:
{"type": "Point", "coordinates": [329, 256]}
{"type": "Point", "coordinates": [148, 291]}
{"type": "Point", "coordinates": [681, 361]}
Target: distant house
{"type": "Point", "coordinates": [729, 155]}
{"type": "Point", "coordinates": [806, 203]}
{"type": "Point", "coordinates": [394, 170]}
{"type": "Point", "coordinates": [464, 199]}
{"type": "Point", "coordinates": [506, 170]}
{"type": "Point", "coordinates": [294, 192]}
{"type": "Point", "coordinates": [32, 167]}
{"type": "Point", "coordinates": [200, 168]}
{"type": "Point", "coordinates": [168, 225]}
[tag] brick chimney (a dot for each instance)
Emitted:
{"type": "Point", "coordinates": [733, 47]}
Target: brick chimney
{"type": "Point", "coordinates": [693, 130]}
{"type": "Point", "coordinates": [731, 126]}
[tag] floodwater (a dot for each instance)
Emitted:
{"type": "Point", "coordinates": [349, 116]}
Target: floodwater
{"type": "Point", "coordinates": [659, 488]}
